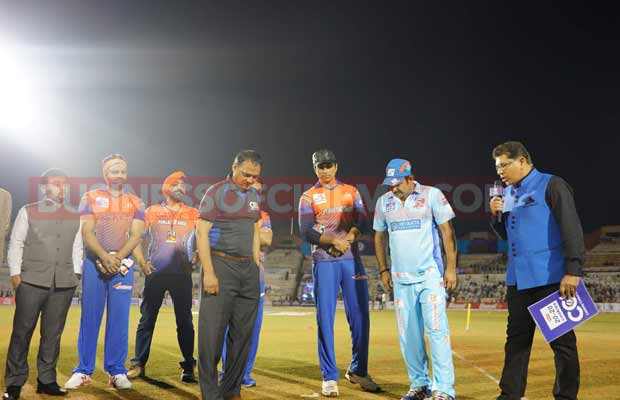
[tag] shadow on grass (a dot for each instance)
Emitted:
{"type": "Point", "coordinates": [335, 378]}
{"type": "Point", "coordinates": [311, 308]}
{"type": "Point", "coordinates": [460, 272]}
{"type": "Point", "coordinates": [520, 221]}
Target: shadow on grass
{"type": "Point", "coordinates": [171, 388]}
{"type": "Point", "coordinates": [101, 393]}
{"type": "Point", "coordinates": [297, 373]}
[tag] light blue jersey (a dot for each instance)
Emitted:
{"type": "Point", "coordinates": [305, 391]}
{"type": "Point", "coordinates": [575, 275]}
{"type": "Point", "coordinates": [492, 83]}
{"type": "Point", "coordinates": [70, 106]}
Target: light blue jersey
{"type": "Point", "coordinates": [415, 246]}
{"type": "Point", "coordinates": [419, 294]}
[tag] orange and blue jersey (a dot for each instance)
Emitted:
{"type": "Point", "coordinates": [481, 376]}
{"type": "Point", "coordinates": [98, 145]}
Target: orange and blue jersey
{"type": "Point", "coordinates": [168, 230]}
{"type": "Point", "coordinates": [330, 211]}
{"type": "Point", "coordinates": [333, 212]}
{"type": "Point", "coordinates": [113, 216]}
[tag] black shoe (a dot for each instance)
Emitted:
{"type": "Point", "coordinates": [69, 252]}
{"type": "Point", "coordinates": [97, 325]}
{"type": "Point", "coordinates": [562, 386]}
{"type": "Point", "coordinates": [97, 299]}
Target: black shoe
{"type": "Point", "coordinates": [12, 393]}
{"type": "Point", "coordinates": [187, 373]}
{"type": "Point", "coordinates": [51, 389]}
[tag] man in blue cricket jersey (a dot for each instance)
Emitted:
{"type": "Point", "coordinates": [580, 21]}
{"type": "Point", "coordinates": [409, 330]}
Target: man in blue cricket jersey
{"type": "Point", "coordinates": [414, 215]}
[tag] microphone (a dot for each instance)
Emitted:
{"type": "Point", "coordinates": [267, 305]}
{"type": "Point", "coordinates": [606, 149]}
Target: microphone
{"type": "Point", "coordinates": [497, 190]}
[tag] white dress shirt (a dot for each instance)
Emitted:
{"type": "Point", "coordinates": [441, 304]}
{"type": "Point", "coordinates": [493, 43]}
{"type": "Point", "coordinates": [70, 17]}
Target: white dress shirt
{"type": "Point", "coordinates": [18, 238]}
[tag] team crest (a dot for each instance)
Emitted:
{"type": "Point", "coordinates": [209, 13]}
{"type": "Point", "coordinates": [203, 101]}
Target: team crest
{"type": "Point", "coordinates": [102, 202]}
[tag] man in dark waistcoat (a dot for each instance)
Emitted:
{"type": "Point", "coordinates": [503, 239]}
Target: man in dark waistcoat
{"type": "Point", "coordinates": [43, 275]}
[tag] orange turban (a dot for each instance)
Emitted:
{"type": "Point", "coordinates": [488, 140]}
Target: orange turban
{"type": "Point", "coordinates": [171, 180]}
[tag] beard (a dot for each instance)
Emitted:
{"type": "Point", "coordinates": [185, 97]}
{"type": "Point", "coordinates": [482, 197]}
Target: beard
{"type": "Point", "coordinates": [117, 182]}
{"type": "Point", "coordinates": [177, 195]}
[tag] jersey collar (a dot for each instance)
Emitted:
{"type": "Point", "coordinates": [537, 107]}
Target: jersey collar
{"type": "Point", "coordinates": [318, 185]}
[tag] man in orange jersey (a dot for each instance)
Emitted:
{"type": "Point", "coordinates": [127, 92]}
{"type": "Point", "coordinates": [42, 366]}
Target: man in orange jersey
{"type": "Point", "coordinates": [112, 224]}
{"type": "Point", "coordinates": [166, 268]}
{"type": "Point", "coordinates": [331, 218]}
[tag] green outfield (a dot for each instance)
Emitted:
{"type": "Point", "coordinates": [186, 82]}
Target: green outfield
{"type": "Point", "coordinates": [287, 364]}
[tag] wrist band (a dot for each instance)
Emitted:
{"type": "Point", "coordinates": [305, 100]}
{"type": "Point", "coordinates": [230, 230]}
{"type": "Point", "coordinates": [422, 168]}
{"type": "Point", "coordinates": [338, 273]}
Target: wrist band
{"type": "Point", "coordinates": [385, 270]}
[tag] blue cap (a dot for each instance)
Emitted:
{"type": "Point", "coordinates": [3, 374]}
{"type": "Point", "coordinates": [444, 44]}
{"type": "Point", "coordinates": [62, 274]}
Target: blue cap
{"type": "Point", "coordinates": [396, 171]}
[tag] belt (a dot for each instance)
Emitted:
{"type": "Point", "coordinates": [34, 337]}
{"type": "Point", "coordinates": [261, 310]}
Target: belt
{"type": "Point", "coordinates": [226, 256]}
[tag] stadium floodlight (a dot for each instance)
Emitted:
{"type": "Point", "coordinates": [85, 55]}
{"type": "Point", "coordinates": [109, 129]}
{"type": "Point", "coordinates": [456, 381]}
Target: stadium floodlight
{"type": "Point", "coordinates": [16, 95]}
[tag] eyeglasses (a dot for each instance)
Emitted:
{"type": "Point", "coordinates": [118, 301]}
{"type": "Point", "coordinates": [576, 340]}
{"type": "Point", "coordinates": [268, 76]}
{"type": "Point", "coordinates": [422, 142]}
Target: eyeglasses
{"type": "Point", "coordinates": [503, 166]}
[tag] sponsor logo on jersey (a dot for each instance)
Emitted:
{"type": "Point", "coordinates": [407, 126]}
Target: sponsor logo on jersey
{"type": "Point", "coordinates": [336, 210]}
{"type": "Point", "coordinates": [254, 206]}
{"type": "Point", "coordinates": [319, 198]}
{"type": "Point", "coordinates": [419, 203]}
{"type": "Point", "coordinates": [390, 206]}
{"type": "Point", "coordinates": [102, 202]}
{"type": "Point", "coordinates": [405, 225]}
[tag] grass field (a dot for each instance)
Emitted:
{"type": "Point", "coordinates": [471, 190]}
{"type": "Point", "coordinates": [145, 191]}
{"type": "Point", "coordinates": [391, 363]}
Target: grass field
{"type": "Point", "coordinates": [287, 364]}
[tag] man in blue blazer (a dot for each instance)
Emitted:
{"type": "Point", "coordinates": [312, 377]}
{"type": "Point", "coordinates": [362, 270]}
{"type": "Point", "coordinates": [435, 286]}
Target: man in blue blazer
{"type": "Point", "coordinates": [545, 253]}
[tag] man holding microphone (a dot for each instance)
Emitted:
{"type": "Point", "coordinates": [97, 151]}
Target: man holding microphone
{"type": "Point", "coordinates": [545, 253]}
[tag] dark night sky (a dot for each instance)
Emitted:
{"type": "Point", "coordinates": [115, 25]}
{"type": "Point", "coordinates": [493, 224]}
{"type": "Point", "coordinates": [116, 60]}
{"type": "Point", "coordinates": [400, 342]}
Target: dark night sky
{"type": "Point", "coordinates": [187, 86]}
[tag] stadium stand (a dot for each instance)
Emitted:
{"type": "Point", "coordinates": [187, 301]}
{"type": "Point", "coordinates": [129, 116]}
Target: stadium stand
{"type": "Point", "coordinates": [481, 275]}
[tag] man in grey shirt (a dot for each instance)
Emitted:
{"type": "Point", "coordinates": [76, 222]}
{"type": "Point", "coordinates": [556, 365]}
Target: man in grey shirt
{"type": "Point", "coordinates": [43, 275]}
{"type": "Point", "coordinates": [227, 238]}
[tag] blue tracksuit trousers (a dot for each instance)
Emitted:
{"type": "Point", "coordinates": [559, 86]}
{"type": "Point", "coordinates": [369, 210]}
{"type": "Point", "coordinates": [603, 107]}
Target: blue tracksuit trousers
{"type": "Point", "coordinates": [350, 276]}
{"type": "Point", "coordinates": [99, 291]}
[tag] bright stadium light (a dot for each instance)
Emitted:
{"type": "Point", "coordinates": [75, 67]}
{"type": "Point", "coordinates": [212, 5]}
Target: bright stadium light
{"type": "Point", "coordinates": [16, 98]}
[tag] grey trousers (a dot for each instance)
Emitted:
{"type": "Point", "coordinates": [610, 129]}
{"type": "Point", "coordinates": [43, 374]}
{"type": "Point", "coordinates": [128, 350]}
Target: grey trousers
{"type": "Point", "coordinates": [30, 301]}
{"type": "Point", "coordinates": [235, 307]}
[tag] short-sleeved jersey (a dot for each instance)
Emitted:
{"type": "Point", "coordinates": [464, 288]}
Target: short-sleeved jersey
{"type": "Point", "coordinates": [168, 230]}
{"type": "Point", "coordinates": [113, 216]}
{"type": "Point", "coordinates": [233, 213]}
{"type": "Point", "coordinates": [332, 211]}
{"type": "Point", "coordinates": [415, 245]}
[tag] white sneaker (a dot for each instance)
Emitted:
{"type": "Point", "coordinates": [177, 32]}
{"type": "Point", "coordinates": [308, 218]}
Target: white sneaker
{"type": "Point", "coordinates": [77, 379]}
{"type": "Point", "coordinates": [120, 381]}
{"type": "Point", "coordinates": [330, 389]}
{"type": "Point", "coordinates": [365, 382]}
